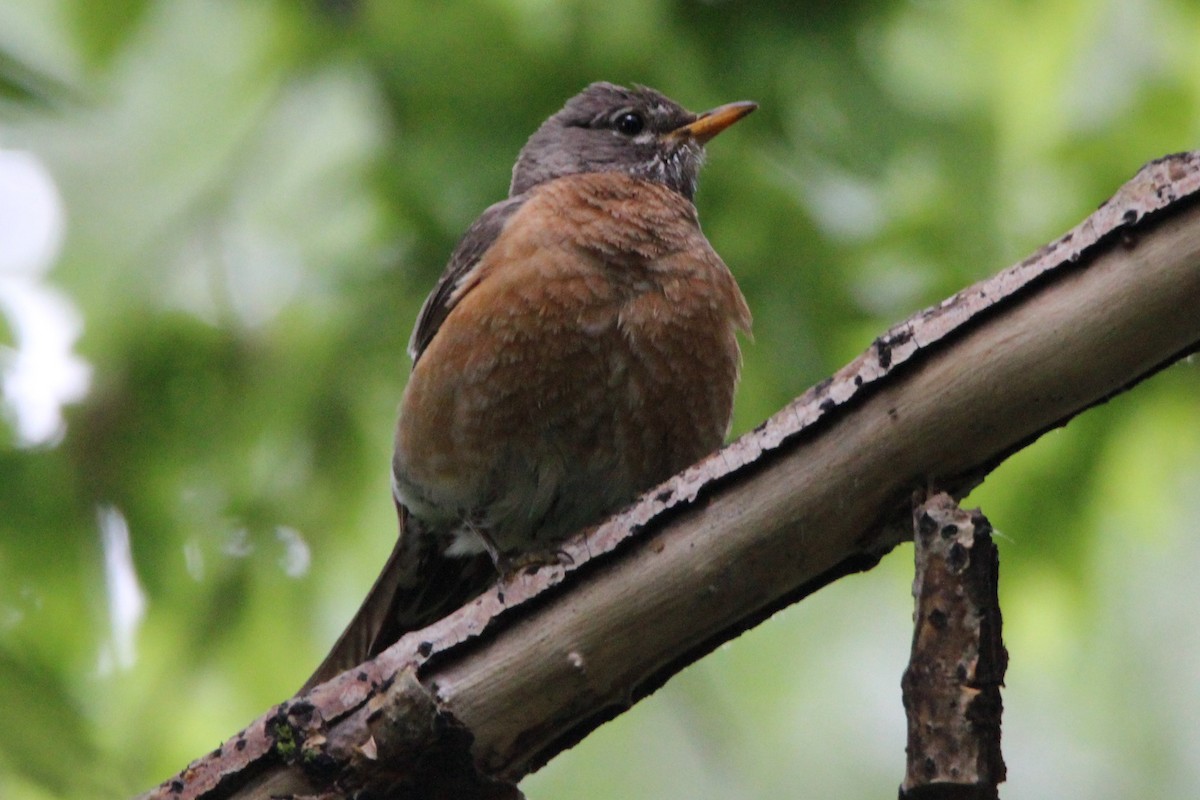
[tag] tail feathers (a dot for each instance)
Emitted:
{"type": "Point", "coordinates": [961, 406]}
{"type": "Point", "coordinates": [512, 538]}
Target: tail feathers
{"type": "Point", "coordinates": [419, 585]}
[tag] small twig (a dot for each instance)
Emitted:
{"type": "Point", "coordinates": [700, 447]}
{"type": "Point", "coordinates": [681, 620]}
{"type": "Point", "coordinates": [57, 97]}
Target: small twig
{"type": "Point", "coordinates": [952, 684]}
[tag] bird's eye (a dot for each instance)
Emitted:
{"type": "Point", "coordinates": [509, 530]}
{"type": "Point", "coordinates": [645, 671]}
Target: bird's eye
{"type": "Point", "coordinates": [630, 123]}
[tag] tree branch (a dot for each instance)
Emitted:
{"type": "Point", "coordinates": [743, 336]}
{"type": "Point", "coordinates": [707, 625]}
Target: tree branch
{"type": "Point", "coordinates": [952, 684]}
{"type": "Point", "coordinates": [819, 490]}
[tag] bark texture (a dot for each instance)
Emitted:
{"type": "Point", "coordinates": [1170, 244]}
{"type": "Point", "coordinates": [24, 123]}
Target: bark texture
{"type": "Point", "coordinates": [952, 684]}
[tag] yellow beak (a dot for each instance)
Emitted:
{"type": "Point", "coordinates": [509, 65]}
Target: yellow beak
{"type": "Point", "coordinates": [712, 122]}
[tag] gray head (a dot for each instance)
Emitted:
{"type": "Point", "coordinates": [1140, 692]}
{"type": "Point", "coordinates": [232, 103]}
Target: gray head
{"type": "Point", "coordinates": [638, 131]}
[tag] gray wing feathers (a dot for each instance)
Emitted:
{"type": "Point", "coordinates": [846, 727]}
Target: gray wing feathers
{"type": "Point", "coordinates": [471, 247]}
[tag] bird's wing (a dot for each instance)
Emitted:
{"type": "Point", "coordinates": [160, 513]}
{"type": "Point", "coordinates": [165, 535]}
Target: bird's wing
{"type": "Point", "coordinates": [419, 584]}
{"type": "Point", "coordinates": [474, 243]}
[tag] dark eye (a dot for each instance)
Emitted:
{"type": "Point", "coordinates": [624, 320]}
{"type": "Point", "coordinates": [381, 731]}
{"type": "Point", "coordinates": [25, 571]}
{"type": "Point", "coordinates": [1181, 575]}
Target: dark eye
{"type": "Point", "coordinates": [630, 123]}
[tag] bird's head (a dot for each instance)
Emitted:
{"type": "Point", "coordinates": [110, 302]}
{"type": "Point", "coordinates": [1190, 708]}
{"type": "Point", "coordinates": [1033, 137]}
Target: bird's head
{"type": "Point", "coordinates": [638, 131]}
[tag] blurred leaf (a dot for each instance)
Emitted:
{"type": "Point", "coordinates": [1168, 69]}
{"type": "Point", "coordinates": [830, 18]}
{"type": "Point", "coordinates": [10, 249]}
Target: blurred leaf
{"type": "Point", "coordinates": [102, 29]}
{"type": "Point", "coordinates": [55, 732]}
{"type": "Point", "coordinates": [22, 85]}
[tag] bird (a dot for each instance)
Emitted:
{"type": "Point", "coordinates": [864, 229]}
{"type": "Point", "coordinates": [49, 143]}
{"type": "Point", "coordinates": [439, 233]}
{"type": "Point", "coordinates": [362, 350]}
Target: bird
{"type": "Point", "coordinates": [580, 347]}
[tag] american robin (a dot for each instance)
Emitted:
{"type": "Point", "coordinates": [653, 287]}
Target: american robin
{"type": "Point", "coordinates": [579, 349]}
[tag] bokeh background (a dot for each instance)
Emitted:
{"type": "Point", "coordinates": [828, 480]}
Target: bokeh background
{"type": "Point", "coordinates": [218, 219]}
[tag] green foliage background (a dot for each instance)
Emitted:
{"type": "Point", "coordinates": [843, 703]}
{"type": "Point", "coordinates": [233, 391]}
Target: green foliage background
{"type": "Point", "coordinates": [258, 196]}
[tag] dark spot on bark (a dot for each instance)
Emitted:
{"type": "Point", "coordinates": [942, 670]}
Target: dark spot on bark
{"type": "Point", "coordinates": [938, 619]}
{"type": "Point", "coordinates": [1129, 217]}
{"type": "Point", "coordinates": [958, 557]}
{"type": "Point", "coordinates": [321, 765]}
{"type": "Point", "coordinates": [827, 405]}
{"type": "Point", "coordinates": [926, 525]}
{"type": "Point", "coordinates": [884, 349]}
{"type": "Point", "coordinates": [949, 530]}
{"type": "Point", "coordinates": [301, 711]}
{"type": "Point", "coordinates": [362, 677]}
{"type": "Point", "coordinates": [424, 649]}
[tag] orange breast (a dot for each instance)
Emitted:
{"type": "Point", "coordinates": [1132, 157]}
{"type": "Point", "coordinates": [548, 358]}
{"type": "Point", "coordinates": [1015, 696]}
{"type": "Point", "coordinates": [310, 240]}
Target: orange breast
{"type": "Point", "coordinates": [592, 354]}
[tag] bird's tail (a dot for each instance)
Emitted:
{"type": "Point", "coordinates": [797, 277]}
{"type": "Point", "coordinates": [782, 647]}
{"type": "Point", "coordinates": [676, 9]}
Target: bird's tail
{"type": "Point", "coordinates": [419, 585]}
